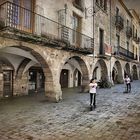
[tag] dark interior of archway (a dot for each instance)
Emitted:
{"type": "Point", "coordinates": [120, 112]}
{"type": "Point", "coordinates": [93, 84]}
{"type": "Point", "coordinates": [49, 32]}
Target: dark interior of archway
{"type": "Point", "coordinates": [104, 75]}
{"type": "Point", "coordinates": [135, 74]}
{"type": "Point", "coordinates": [36, 80]}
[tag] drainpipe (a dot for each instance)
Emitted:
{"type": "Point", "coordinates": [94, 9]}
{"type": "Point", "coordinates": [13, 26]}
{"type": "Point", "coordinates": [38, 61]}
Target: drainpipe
{"type": "Point", "coordinates": [110, 43]}
{"type": "Point", "coordinates": [93, 29]}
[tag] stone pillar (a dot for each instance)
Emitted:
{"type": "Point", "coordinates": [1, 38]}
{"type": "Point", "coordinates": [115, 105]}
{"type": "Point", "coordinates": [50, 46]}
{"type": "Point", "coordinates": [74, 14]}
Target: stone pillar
{"type": "Point", "coordinates": [85, 85]}
{"type": "Point", "coordinates": [21, 85]}
{"type": "Point", "coordinates": [120, 79]}
{"type": "Point", "coordinates": [53, 91]}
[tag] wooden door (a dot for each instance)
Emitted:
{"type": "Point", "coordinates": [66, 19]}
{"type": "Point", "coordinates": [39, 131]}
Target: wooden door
{"type": "Point", "coordinates": [64, 78]}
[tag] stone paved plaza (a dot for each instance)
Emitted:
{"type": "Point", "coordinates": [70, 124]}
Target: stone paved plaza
{"type": "Point", "coordinates": [117, 116]}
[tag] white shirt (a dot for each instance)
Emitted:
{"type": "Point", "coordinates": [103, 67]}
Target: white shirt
{"type": "Point", "coordinates": [93, 87]}
{"type": "Point", "coordinates": [127, 80]}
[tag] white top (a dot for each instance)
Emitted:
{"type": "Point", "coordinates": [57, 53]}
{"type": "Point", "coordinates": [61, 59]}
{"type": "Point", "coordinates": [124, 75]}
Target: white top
{"type": "Point", "coordinates": [127, 80]}
{"type": "Point", "coordinates": [93, 87]}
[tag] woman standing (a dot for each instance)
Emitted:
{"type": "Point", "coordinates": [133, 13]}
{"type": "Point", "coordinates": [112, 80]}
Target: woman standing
{"type": "Point", "coordinates": [92, 91]}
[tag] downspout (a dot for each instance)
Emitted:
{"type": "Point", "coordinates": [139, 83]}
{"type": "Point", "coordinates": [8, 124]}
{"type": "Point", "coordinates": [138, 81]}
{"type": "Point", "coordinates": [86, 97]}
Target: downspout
{"type": "Point", "coordinates": [110, 43]}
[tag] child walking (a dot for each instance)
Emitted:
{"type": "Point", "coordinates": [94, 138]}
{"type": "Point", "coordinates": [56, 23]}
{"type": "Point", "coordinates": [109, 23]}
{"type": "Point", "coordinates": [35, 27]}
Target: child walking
{"type": "Point", "coordinates": [128, 84]}
{"type": "Point", "coordinates": [92, 91]}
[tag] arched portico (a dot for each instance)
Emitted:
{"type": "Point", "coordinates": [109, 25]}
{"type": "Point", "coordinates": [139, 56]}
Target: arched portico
{"type": "Point", "coordinates": [134, 72]}
{"type": "Point", "coordinates": [77, 78]}
{"type": "Point", "coordinates": [117, 75]}
{"type": "Point", "coordinates": [77, 64]}
{"type": "Point", "coordinates": [32, 53]}
{"type": "Point", "coordinates": [100, 71]}
{"type": "Point", "coordinates": [127, 70]}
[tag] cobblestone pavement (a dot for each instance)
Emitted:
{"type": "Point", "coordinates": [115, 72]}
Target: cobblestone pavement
{"type": "Point", "coordinates": [117, 116]}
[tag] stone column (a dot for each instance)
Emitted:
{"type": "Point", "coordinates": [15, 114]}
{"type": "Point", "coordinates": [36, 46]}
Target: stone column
{"type": "Point", "coordinates": [85, 85]}
{"type": "Point", "coordinates": [21, 85]}
{"type": "Point", "coordinates": [53, 92]}
{"type": "Point", "coordinates": [120, 79]}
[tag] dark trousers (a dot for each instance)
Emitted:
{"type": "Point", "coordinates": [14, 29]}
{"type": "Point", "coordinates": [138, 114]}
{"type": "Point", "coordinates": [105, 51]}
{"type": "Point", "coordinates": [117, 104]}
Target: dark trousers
{"type": "Point", "coordinates": [93, 99]}
{"type": "Point", "coordinates": [128, 87]}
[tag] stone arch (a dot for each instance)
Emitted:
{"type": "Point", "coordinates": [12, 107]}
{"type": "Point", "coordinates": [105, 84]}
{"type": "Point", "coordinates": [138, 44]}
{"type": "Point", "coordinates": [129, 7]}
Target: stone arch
{"type": "Point", "coordinates": [102, 67]}
{"type": "Point", "coordinates": [83, 69]}
{"type": "Point", "coordinates": [50, 92]}
{"type": "Point", "coordinates": [95, 74]}
{"type": "Point", "coordinates": [127, 70]}
{"type": "Point", "coordinates": [134, 72]}
{"type": "Point", "coordinates": [117, 75]}
{"type": "Point", "coordinates": [76, 78]}
{"type": "Point", "coordinates": [22, 67]}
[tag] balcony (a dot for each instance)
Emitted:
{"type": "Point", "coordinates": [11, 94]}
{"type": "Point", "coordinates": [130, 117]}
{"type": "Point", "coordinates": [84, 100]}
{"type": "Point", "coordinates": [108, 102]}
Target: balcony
{"type": "Point", "coordinates": [31, 27]}
{"type": "Point", "coordinates": [128, 32]}
{"type": "Point", "coordinates": [119, 22]}
{"type": "Point", "coordinates": [124, 53]}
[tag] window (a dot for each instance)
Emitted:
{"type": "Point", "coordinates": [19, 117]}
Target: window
{"type": "Point", "coordinates": [97, 1]}
{"type": "Point", "coordinates": [102, 4]}
{"type": "Point", "coordinates": [78, 4]}
{"type": "Point", "coordinates": [117, 40]}
{"type": "Point", "coordinates": [76, 26]}
{"type": "Point", "coordinates": [101, 41]}
{"type": "Point", "coordinates": [22, 18]}
{"type": "Point", "coordinates": [117, 11]}
{"type": "Point", "coordinates": [127, 22]}
{"type": "Point", "coordinates": [105, 5]}
{"type": "Point", "coordinates": [133, 31]}
{"type": "Point", "coordinates": [117, 48]}
{"type": "Point", "coordinates": [127, 43]}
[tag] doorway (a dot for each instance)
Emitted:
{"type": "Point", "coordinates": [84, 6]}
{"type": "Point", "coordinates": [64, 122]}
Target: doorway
{"type": "Point", "coordinates": [8, 83]}
{"type": "Point", "coordinates": [36, 80]}
{"type": "Point", "coordinates": [64, 78]}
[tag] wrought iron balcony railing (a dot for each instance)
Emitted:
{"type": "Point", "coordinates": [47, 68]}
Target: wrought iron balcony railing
{"type": "Point", "coordinates": [120, 51]}
{"type": "Point", "coordinates": [119, 22]}
{"type": "Point", "coordinates": [19, 18]}
{"type": "Point", "coordinates": [128, 31]}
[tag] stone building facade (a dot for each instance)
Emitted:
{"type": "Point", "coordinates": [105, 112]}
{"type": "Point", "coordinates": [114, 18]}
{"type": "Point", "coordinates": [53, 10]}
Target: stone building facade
{"type": "Point", "coordinates": [46, 46]}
